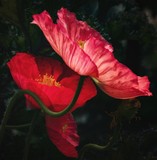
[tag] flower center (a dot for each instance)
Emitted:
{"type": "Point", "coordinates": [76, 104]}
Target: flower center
{"type": "Point", "coordinates": [48, 80]}
{"type": "Point", "coordinates": [81, 43]}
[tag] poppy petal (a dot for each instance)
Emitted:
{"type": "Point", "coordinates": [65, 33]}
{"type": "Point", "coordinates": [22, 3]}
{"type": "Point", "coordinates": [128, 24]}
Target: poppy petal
{"type": "Point", "coordinates": [62, 132]}
{"type": "Point", "coordinates": [114, 78]}
{"type": "Point", "coordinates": [55, 97]}
{"type": "Point", "coordinates": [71, 53]}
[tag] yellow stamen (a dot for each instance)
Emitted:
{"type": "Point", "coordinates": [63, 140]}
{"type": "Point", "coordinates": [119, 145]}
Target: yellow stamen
{"type": "Point", "coordinates": [48, 80]}
{"type": "Point", "coordinates": [64, 128]}
{"type": "Point", "coordinates": [81, 43]}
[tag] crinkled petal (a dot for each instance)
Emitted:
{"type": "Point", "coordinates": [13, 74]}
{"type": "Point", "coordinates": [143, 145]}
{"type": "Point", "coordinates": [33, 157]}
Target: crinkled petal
{"type": "Point", "coordinates": [123, 91]}
{"type": "Point", "coordinates": [71, 53]}
{"type": "Point", "coordinates": [74, 29]}
{"type": "Point", "coordinates": [62, 132]}
{"type": "Point", "coordinates": [114, 78]}
{"type": "Point", "coordinates": [100, 52]}
{"type": "Point", "coordinates": [78, 30]}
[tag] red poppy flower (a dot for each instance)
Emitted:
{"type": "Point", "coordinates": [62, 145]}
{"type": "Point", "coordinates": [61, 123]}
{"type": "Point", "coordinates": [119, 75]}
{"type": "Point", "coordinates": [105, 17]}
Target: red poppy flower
{"type": "Point", "coordinates": [55, 84]}
{"type": "Point", "coordinates": [85, 51]}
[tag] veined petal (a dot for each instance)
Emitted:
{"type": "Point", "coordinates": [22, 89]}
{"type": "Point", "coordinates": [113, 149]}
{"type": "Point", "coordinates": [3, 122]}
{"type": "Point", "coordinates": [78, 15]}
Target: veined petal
{"type": "Point", "coordinates": [71, 53]}
{"type": "Point", "coordinates": [120, 82]}
{"type": "Point", "coordinates": [111, 75]}
{"type": "Point", "coordinates": [100, 52]}
{"type": "Point", "coordinates": [123, 91]}
{"type": "Point", "coordinates": [76, 30]}
{"type": "Point", "coordinates": [62, 132]}
{"type": "Point", "coordinates": [114, 78]}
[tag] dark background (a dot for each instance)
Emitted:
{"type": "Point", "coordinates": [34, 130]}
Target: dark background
{"type": "Point", "coordinates": [131, 27]}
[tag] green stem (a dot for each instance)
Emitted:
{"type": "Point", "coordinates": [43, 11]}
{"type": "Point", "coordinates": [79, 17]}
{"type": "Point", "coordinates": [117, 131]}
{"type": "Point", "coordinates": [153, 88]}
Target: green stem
{"type": "Point", "coordinates": [92, 146]}
{"type": "Point", "coordinates": [97, 147]}
{"type": "Point", "coordinates": [17, 126]}
{"type": "Point", "coordinates": [40, 103]}
{"type": "Point", "coordinates": [27, 141]}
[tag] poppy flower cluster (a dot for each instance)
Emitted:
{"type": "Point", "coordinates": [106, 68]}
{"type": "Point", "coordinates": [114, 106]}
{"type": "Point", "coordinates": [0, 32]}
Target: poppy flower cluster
{"type": "Point", "coordinates": [86, 52]}
{"type": "Point", "coordinates": [55, 84]}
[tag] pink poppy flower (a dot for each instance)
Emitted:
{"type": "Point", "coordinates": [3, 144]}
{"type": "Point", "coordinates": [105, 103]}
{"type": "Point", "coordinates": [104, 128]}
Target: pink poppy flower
{"type": "Point", "coordinates": [55, 84]}
{"type": "Point", "coordinates": [86, 52]}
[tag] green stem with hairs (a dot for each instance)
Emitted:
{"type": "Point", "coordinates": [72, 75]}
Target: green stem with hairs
{"type": "Point", "coordinates": [20, 93]}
